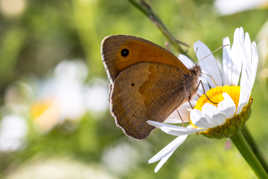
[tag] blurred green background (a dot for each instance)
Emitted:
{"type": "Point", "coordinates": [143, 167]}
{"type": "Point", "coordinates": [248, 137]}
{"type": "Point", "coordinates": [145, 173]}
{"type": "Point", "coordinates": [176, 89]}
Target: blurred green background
{"type": "Point", "coordinates": [55, 120]}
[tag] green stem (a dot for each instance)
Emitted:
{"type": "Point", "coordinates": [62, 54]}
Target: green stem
{"type": "Point", "coordinates": [255, 149]}
{"type": "Point", "coordinates": [248, 154]}
{"type": "Point", "coordinates": [148, 11]}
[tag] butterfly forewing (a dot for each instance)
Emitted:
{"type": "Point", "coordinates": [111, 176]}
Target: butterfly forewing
{"type": "Point", "coordinates": [122, 51]}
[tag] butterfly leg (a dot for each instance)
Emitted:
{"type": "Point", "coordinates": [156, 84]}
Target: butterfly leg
{"type": "Point", "coordinates": [204, 91]}
{"type": "Point", "coordinates": [189, 101]}
{"type": "Point", "coordinates": [189, 97]}
{"type": "Point", "coordinates": [180, 116]}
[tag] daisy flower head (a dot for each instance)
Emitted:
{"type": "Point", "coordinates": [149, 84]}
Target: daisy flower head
{"type": "Point", "coordinates": [222, 102]}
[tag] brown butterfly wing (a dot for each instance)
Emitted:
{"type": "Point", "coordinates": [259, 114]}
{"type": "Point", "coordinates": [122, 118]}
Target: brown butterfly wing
{"type": "Point", "coordinates": [139, 50]}
{"type": "Point", "coordinates": [146, 91]}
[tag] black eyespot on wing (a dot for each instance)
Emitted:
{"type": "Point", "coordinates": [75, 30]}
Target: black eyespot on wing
{"type": "Point", "coordinates": [124, 52]}
{"type": "Point", "coordinates": [132, 84]}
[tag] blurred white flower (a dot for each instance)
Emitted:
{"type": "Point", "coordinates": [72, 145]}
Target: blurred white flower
{"type": "Point", "coordinates": [12, 8]}
{"type": "Point", "coordinates": [61, 96]}
{"type": "Point", "coordinates": [262, 39]}
{"type": "Point", "coordinates": [13, 130]}
{"type": "Point", "coordinates": [233, 6]}
{"type": "Point", "coordinates": [96, 96]}
{"type": "Point", "coordinates": [75, 71]}
{"type": "Point", "coordinates": [66, 88]}
{"type": "Point", "coordinates": [264, 74]}
{"type": "Point", "coordinates": [125, 156]}
{"type": "Point", "coordinates": [66, 96]}
{"type": "Point", "coordinates": [59, 168]}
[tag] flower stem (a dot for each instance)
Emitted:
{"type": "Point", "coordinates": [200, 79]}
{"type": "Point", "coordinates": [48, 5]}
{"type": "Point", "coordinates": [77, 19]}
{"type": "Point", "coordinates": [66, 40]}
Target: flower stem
{"type": "Point", "coordinates": [255, 149]}
{"type": "Point", "coordinates": [148, 11]}
{"type": "Point", "coordinates": [246, 151]}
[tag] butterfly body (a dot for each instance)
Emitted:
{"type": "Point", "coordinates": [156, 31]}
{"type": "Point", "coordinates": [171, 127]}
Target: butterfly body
{"type": "Point", "coordinates": [148, 82]}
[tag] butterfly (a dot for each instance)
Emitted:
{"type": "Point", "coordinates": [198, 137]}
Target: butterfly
{"type": "Point", "coordinates": [147, 82]}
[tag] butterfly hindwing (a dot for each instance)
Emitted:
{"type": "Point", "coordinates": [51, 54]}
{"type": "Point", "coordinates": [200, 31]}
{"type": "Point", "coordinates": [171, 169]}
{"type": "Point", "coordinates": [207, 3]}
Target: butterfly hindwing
{"type": "Point", "coordinates": [146, 91]}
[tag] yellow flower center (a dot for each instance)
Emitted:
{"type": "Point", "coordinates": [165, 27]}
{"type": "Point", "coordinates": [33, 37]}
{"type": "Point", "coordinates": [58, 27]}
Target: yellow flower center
{"type": "Point", "coordinates": [214, 96]}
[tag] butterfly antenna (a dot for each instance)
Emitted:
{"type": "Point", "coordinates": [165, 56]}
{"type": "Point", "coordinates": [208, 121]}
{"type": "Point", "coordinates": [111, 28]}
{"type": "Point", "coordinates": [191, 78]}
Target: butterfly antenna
{"type": "Point", "coordinates": [214, 51]}
{"type": "Point", "coordinates": [210, 77]}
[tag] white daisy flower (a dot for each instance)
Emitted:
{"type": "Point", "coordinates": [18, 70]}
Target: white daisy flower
{"type": "Point", "coordinates": [226, 105]}
{"type": "Point", "coordinates": [227, 7]}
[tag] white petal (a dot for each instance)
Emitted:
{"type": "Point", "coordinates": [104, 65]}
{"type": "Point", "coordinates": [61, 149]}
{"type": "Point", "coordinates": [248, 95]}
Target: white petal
{"type": "Point", "coordinates": [160, 124]}
{"type": "Point", "coordinates": [244, 90]}
{"type": "Point", "coordinates": [237, 56]}
{"type": "Point", "coordinates": [220, 70]}
{"type": "Point", "coordinates": [254, 62]}
{"type": "Point", "coordinates": [207, 62]}
{"type": "Point", "coordinates": [179, 133]}
{"type": "Point", "coordinates": [240, 34]}
{"type": "Point", "coordinates": [171, 147]}
{"type": "Point", "coordinates": [247, 47]}
{"type": "Point", "coordinates": [219, 119]}
{"type": "Point", "coordinates": [227, 62]}
{"type": "Point", "coordinates": [218, 115]}
{"type": "Point", "coordinates": [199, 119]}
{"type": "Point", "coordinates": [173, 129]}
{"type": "Point", "coordinates": [209, 109]}
{"type": "Point", "coordinates": [249, 70]}
{"type": "Point", "coordinates": [162, 161]}
{"type": "Point", "coordinates": [227, 106]}
{"type": "Point", "coordinates": [186, 61]}
{"type": "Point", "coordinates": [164, 125]}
